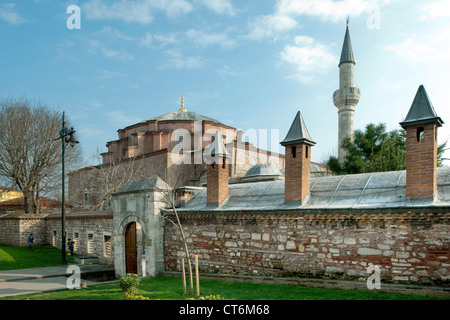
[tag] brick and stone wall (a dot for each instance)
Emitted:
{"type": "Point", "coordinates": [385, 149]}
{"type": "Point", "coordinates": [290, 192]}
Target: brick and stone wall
{"type": "Point", "coordinates": [16, 227]}
{"type": "Point", "coordinates": [89, 229]}
{"type": "Point", "coordinates": [409, 247]}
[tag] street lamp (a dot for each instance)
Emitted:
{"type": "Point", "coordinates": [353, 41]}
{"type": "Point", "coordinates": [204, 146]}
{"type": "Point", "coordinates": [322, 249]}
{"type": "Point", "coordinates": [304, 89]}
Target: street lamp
{"type": "Point", "coordinates": [67, 137]}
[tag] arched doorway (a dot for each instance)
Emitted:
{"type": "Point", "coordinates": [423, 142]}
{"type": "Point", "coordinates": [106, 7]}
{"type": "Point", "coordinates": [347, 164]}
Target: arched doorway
{"type": "Point", "coordinates": [131, 248]}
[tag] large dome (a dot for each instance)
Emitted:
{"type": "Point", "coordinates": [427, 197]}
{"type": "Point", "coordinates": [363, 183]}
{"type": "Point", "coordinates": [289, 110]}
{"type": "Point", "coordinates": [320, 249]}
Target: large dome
{"type": "Point", "coordinates": [182, 116]}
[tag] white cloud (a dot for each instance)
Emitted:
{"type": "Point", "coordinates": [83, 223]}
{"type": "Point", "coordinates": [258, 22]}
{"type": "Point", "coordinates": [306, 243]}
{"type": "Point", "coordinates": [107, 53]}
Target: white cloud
{"type": "Point", "coordinates": [324, 9]}
{"type": "Point", "coordinates": [8, 14]}
{"type": "Point", "coordinates": [431, 48]}
{"type": "Point", "coordinates": [226, 71]}
{"type": "Point", "coordinates": [308, 57]}
{"type": "Point", "coordinates": [121, 118]}
{"type": "Point", "coordinates": [178, 61]}
{"type": "Point", "coordinates": [140, 11]}
{"type": "Point", "coordinates": [220, 6]}
{"type": "Point", "coordinates": [204, 39]}
{"type": "Point", "coordinates": [96, 47]}
{"type": "Point", "coordinates": [270, 26]}
{"type": "Point", "coordinates": [436, 9]}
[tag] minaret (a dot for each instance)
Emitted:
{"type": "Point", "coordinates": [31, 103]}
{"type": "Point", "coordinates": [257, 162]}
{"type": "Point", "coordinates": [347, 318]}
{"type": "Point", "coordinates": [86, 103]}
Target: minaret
{"type": "Point", "coordinates": [347, 97]}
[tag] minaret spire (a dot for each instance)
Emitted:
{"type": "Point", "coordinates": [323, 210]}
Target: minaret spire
{"type": "Point", "coordinates": [347, 97]}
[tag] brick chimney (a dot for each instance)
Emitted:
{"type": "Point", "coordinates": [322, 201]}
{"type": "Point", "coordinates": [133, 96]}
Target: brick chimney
{"type": "Point", "coordinates": [421, 125]}
{"type": "Point", "coordinates": [297, 145]}
{"type": "Point", "coordinates": [217, 158]}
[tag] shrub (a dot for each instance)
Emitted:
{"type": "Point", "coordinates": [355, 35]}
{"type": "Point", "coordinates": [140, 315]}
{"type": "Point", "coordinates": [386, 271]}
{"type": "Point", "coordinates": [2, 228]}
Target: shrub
{"type": "Point", "coordinates": [129, 282]}
{"type": "Point", "coordinates": [128, 296]}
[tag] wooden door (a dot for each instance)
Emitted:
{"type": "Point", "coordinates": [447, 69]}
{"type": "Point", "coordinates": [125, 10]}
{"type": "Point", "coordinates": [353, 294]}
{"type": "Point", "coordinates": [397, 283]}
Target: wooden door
{"type": "Point", "coordinates": [131, 248]}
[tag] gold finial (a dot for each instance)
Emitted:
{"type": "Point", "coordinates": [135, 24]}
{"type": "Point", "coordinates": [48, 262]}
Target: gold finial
{"type": "Point", "coordinates": [182, 109]}
{"type": "Point", "coordinates": [348, 19]}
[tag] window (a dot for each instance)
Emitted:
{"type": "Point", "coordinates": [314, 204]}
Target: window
{"type": "Point", "coordinates": [306, 152]}
{"type": "Point", "coordinates": [86, 198]}
{"type": "Point", "coordinates": [90, 243]}
{"type": "Point", "coordinates": [107, 246]}
{"type": "Point", "coordinates": [420, 134]}
{"type": "Point", "coordinates": [54, 238]}
{"type": "Point", "coordinates": [294, 151]}
{"type": "Point", "coordinates": [75, 241]}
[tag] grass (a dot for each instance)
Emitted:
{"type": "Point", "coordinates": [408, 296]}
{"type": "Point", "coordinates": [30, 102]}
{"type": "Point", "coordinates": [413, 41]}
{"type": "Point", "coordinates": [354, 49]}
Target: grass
{"type": "Point", "coordinates": [171, 288]}
{"type": "Point", "coordinates": [22, 258]}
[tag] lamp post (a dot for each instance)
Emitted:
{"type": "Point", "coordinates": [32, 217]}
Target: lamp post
{"type": "Point", "coordinates": [67, 137]}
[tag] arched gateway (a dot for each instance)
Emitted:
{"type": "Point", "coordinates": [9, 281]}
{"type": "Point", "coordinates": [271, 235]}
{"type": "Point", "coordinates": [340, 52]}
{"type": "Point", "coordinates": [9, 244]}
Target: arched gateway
{"type": "Point", "coordinates": [138, 227]}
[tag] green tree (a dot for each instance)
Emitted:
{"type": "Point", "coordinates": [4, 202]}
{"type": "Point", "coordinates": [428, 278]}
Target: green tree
{"type": "Point", "coordinates": [375, 150]}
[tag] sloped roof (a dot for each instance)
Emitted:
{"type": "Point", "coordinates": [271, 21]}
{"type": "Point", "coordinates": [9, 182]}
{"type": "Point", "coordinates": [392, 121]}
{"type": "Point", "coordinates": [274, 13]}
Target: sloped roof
{"type": "Point", "coordinates": [421, 111]}
{"type": "Point", "coordinates": [347, 51]}
{"type": "Point", "coordinates": [182, 116]}
{"type": "Point", "coordinates": [368, 190]}
{"type": "Point", "coordinates": [298, 132]}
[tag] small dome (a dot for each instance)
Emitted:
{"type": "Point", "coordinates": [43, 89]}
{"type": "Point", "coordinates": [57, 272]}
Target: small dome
{"type": "Point", "coordinates": [263, 170]}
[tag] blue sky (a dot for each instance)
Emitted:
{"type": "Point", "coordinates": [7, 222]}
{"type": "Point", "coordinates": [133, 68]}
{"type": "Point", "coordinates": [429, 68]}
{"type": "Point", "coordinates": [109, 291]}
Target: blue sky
{"type": "Point", "coordinates": [251, 64]}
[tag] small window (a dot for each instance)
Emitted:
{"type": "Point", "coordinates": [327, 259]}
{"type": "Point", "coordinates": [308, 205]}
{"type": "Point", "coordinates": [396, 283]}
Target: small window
{"type": "Point", "coordinates": [90, 243]}
{"type": "Point", "coordinates": [75, 241]}
{"type": "Point", "coordinates": [294, 151]}
{"type": "Point", "coordinates": [107, 246]}
{"type": "Point", "coordinates": [223, 162]}
{"type": "Point", "coordinates": [54, 238]}
{"type": "Point", "coordinates": [86, 198]}
{"type": "Point", "coordinates": [306, 152]}
{"type": "Point", "coordinates": [420, 134]}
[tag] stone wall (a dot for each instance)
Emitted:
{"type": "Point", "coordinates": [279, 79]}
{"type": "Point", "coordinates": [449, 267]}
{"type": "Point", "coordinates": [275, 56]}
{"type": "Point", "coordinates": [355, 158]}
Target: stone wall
{"type": "Point", "coordinates": [16, 227]}
{"type": "Point", "coordinates": [90, 230]}
{"type": "Point", "coordinates": [409, 247]}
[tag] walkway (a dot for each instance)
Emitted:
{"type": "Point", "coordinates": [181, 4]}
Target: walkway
{"type": "Point", "coordinates": [15, 282]}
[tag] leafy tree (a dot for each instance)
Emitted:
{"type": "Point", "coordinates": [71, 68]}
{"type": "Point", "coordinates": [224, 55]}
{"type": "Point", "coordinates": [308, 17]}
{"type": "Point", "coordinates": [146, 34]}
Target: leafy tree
{"type": "Point", "coordinates": [375, 150]}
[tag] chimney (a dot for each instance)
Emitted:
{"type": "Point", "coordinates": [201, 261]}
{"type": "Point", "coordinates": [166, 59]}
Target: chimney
{"type": "Point", "coordinates": [217, 158]}
{"type": "Point", "coordinates": [421, 125]}
{"type": "Point", "coordinates": [297, 145]}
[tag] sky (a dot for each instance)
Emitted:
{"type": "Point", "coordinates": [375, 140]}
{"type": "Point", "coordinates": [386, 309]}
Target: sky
{"type": "Point", "coordinates": [251, 64]}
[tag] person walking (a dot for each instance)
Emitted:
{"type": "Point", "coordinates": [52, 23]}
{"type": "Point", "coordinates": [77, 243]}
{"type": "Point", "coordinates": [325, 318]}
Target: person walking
{"type": "Point", "coordinates": [70, 244]}
{"type": "Point", "coordinates": [30, 242]}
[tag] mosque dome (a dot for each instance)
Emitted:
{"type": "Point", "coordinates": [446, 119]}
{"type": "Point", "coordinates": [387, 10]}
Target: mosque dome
{"type": "Point", "coordinates": [182, 115]}
{"type": "Point", "coordinates": [262, 171]}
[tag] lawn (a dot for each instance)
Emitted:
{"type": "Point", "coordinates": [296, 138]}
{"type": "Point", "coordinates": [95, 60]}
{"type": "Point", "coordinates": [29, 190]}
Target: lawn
{"type": "Point", "coordinates": [22, 258]}
{"type": "Point", "coordinates": [171, 288]}
{"type": "Point", "coordinates": [167, 288]}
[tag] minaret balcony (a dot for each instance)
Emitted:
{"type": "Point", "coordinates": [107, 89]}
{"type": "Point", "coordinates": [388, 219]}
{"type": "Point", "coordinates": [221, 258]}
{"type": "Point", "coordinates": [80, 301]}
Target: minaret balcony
{"type": "Point", "coordinates": [346, 97]}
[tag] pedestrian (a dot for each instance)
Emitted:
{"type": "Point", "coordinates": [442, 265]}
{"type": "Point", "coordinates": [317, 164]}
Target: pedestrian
{"type": "Point", "coordinates": [70, 244]}
{"type": "Point", "coordinates": [30, 242]}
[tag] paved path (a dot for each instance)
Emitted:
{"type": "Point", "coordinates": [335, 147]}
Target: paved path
{"type": "Point", "coordinates": [14, 282]}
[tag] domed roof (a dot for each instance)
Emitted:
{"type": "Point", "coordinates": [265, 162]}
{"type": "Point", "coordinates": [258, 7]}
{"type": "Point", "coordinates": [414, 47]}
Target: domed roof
{"type": "Point", "coordinates": [182, 116]}
{"type": "Point", "coordinates": [263, 170]}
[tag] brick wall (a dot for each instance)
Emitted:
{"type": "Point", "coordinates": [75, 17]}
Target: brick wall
{"type": "Point", "coordinates": [297, 172]}
{"type": "Point", "coordinates": [409, 247]}
{"type": "Point", "coordinates": [217, 182]}
{"type": "Point", "coordinates": [421, 161]}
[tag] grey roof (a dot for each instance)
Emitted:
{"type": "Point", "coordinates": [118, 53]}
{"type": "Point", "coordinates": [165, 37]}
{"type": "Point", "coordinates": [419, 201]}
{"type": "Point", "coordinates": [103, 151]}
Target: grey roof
{"type": "Point", "coordinates": [421, 110]}
{"type": "Point", "coordinates": [368, 190]}
{"type": "Point", "coordinates": [347, 51]}
{"type": "Point", "coordinates": [298, 132]}
{"type": "Point", "coordinates": [153, 183]}
{"type": "Point", "coordinates": [216, 149]}
{"type": "Point", "coordinates": [182, 116]}
{"type": "Point", "coordinates": [263, 170]}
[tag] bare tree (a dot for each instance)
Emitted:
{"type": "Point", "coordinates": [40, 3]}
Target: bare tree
{"type": "Point", "coordinates": [30, 157]}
